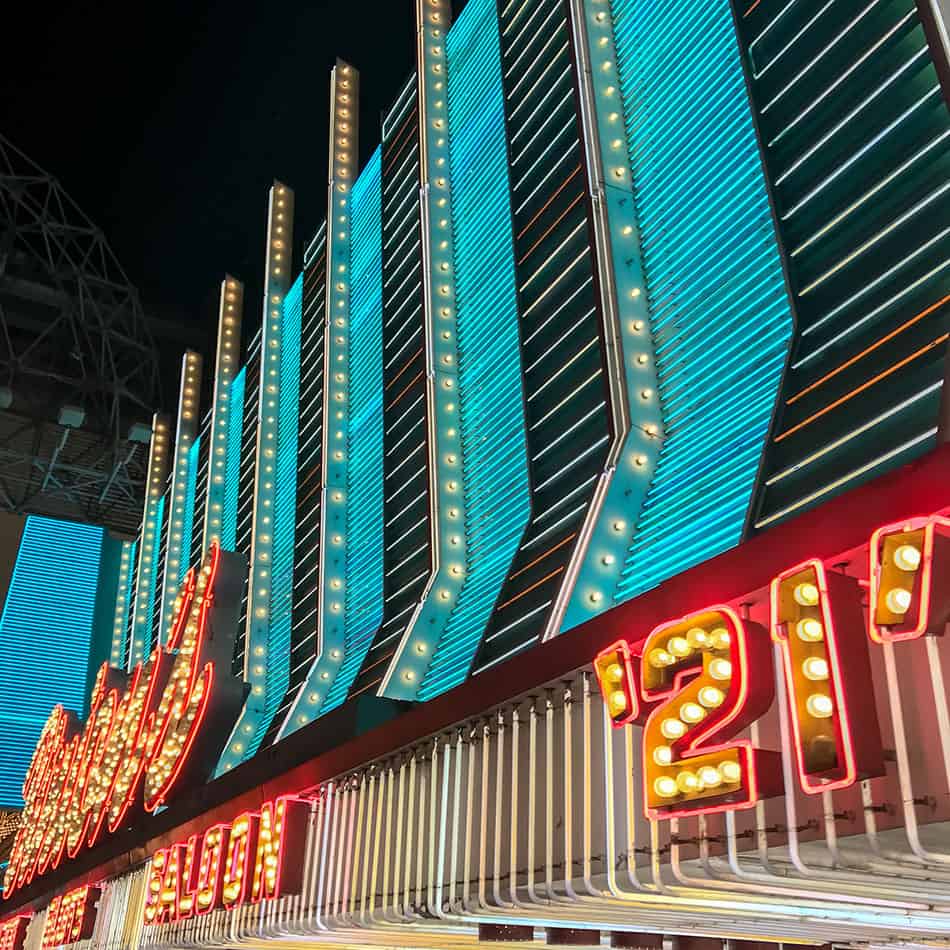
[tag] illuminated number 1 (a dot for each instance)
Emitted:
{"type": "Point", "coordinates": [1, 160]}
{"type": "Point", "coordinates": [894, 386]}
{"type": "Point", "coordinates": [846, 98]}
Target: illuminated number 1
{"type": "Point", "coordinates": [818, 621]}
{"type": "Point", "coordinates": [700, 669]}
{"type": "Point", "coordinates": [910, 579]}
{"type": "Point", "coordinates": [618, 673]}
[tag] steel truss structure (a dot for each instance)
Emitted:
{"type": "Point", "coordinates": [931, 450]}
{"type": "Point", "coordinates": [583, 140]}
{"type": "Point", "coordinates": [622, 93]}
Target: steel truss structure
{"type": "Point", "coordinates": [79, 372]}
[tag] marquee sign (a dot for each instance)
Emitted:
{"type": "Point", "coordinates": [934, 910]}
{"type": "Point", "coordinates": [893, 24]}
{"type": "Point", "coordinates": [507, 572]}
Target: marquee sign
{"type": "Point", "coordinates": [215, 870]}
{"type": "Point", "coordinates": [13, 933]}
{"type": "Point", "coordinates": [696, 683]}
{"type": "Point", "coordinates": [70, 918]}
{"type": "Point", "coordinates": [159, 727]}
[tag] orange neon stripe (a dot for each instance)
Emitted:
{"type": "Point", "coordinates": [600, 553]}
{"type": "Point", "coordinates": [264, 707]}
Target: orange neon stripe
{"type": "Point", "coordinates": [754, 5]}
{"type": "Point", "coordinates": [528, 590]}
{"type": "Point", "coordinates": [409, 386]}
{"type": "Point", "coordinates": [395, 142]}
{"type": "Point", "coordinates": [544, 207]}
{"type": "Point", "coordinates": [860, 389]}
{"type": "Point", "coordinates": [557, 221]}
{"type": "Point", "coordinates": [870, 349]}
{"type": "Point", "coordinates": [406, 366]}
{"type": "Point", "coordinates": [541, 557]}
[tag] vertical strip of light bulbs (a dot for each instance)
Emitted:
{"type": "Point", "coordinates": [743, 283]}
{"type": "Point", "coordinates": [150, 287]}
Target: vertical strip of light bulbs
{"type": "Point", "coordinates": [638, 422]}
{"type": "Point", "coordinates": [159, 457]}
{"type": "Point", "coordinates": [177, 547]}
{"type": "Point", "coordinates": [343, 167]}
{"type": "Point", "coordinates": [230, 314]}
{"type": "Point", "coordinates": [252, 721]}
{"type": "Point", "coordinates": [122, 598]}
{"type": "Point", "coordinates": [447, 499]}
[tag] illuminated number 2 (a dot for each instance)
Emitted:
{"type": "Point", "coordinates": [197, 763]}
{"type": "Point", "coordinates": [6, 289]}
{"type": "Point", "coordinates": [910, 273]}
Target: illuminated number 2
{"type": "Point", "coordinates": [910, 579]}
{"type": "Point", "coordinates": [818, 621]}
{"type": "Point", "coordinates": [700, 670]}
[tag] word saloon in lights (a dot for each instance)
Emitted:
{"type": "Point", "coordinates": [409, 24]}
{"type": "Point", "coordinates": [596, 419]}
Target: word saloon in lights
{"type": "Point", "coordinates": [259, 856]}
{"type": "Point", "coordinates": [162, 725]}
{"type": "Point", "coordinates": [696, 683]}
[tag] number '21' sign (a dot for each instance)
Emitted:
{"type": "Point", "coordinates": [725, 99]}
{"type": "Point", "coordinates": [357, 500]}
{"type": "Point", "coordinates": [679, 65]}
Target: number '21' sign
{"type": "Point", "coordinates": [695, 683]}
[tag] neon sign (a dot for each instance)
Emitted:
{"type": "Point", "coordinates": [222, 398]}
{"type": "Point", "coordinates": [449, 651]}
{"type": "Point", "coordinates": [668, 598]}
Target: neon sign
{"type": "Point", "coordinates": [71, 917]}
{"type": "Point", "coordinates": [13, 933]}
{"type": "Point", "coordinates": [160, 727]}
{"type": "Point", "coordinates": [693, 684]}
{"type": "Point", "coordinates": [188, 878]}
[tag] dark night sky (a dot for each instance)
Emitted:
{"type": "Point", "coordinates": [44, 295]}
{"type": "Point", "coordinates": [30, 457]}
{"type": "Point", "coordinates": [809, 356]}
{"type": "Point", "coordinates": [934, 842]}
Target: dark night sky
{"type": "Point", "coordinates": [167, 122]}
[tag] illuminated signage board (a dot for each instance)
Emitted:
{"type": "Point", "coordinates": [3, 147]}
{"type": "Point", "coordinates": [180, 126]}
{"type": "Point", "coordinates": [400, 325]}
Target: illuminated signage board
{"type": "Point", "coordinates": [160, 727]}
{"type": "Point", "coordinates": [13, 933]}
{"type": "Point", "coordinates": [70, 918]}
{"type": "Point", "coordinates": [694, 684]}
{"type": "Point", "coordinates": [259, 856]}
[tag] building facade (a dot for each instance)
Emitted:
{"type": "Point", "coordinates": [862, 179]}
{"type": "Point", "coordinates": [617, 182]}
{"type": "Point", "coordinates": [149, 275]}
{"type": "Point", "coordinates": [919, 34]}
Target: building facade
{"type": "Point", "coordinates": [566, 557]}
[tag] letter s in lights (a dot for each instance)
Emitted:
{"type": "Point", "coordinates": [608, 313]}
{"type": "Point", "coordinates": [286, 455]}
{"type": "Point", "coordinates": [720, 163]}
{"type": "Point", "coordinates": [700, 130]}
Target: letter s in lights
{"type": "Point", "coordinates": [699, 670]}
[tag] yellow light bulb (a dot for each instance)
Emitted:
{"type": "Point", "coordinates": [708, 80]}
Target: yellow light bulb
{"type": "Point", "coordinates": [815, 668]}
{"type": "Point", "coordinates": [731, 772]}
{"type": "Point", "coordinates": [692, 712]}
{"type": "Point", "coordinates": [806, 594]}
{"type": "Point", "coordinates": [709, 776]}
{"type": "Point", "coordinates": [819, 705]}
{"type": "Point", "coordinates": [720, 669]}
{"type": "Point", "coordinates": [618, 702]}
{"type": "Point", "coordinates": [672, 728]}
{"type": "Point", "coordinates": [907, 557]}
{"type": "Point", "coordinates": [663, 755]}
{"type": "Point", "coordinates": [660, 658]}
{"type": "Point", "coordinates": [809, 630]}
{"type": "Point", "coordinates": [719, 639]}
{"type": "Point", "coordinates": [898, 600]}
{"type": "Point", "coordinates": [687, 781]}
{"type": "Point", "coordinates": [615, 672]}
{"type": "Point", "coordinates": [697, 637]}
{"type": "Point", "coordinates": [710, 696]}
{"type": "Point", "coordinates": [679, 646]}
{"type": "Point", "coordinates": [665, 787]}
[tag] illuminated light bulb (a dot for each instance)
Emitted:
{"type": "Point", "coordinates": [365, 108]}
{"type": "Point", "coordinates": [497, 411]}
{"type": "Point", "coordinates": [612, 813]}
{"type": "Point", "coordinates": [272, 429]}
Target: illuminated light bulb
{"type": "Point", "coordinates": [898, 600]}
{"type": "Point", "coordinates": [679, 646]}
{"type": "Point", "coordinates": [663, 755]}
{"type": "Point", "coordinates": [672, 728]}
{"type": "Point", "coordinates": [709, 776]}
{"type": "Point", "coordinates": [421, 648]}
{"type": "Point", "coordinates": [596, 597]}
{"type": "Point", "coordinates": [697, 637]}
{"type": "Point", "coordinates": [819, 705]}
{"type": "Point", "coordinates": [806, 594]}
{"type": "Point", "coordinates": [687, 781]}
{"type": "Point", "coordinates": [809, 630]}
{"type": "Point", "coordinates": [815, 668]}
{"type": "Point", "coordinates": [607, 559]}
{"type": "Point", "coordinates": [618, 702]}
{"type": "Point", "coordinates": [615, 672]}
{"type": "Point", "coordinates": [665, 787]}
{"type": "Point", "coordinates": [711, 696]}
{"type": "Point", "coordinates": [719, 639]}
{"type": "Point", "coordinates": [731, 772]}
{"type": "Point", "coordinates": [907, 557]}
{"type": "Point", "coordinates": [660, 658]}
{"type": "Point", "coordinates": [692, 712]}
{"type": "Point", "coordinates": [720, 669]}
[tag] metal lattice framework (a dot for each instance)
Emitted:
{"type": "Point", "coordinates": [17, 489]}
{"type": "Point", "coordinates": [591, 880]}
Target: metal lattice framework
{"type": "Point", "coordinates": [79, 371]}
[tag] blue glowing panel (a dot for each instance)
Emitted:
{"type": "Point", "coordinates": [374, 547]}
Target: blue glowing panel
{"type": "Point", "coordinates": [45, 636]}
{"type": "Point", "coordinates": [719, 308]}
{"type": "Point", "coordinates": [364, 517]}
{"type": "Point", "coordinates": [277, 663]}
{"type": "Point", "coordinates": [235, 422]}
{"type": "Point", "coordinates": [497, 494]}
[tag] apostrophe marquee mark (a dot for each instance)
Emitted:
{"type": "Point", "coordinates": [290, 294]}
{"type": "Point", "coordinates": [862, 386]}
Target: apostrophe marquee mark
{"type": "Point", "coordinates": [161, 726]}
{"type": "Point", "coordinates": [910, 579]}
{"type": "Point", "coordinates": [224, 876]}
{"type": "Point", "coordinates": [818, 621]}
{"type": "Point", "coordinates": [711, 674]}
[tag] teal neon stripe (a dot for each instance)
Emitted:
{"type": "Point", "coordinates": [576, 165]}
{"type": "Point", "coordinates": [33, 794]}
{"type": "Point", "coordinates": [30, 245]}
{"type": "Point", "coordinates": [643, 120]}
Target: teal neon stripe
{"type": "Point", "coordinates": [364, 514]}
{"type": "Point", "coordinates": [719, 308]}
{"type": "Point", "coordinates": [277, 665]}
{"type": "Point", "coordinates": [233, 467]}
{"type": "Point", "coordinates": [497, 498]}
{"type": "Point", "coordinates": [188, 512]}
{"type": "Point", "coordinates": [45, 635]}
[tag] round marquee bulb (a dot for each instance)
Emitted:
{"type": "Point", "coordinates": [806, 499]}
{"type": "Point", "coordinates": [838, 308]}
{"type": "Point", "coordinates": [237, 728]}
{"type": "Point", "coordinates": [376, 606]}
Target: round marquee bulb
{"type": "Point", "coordinates": [819, 705]}
{"type": "Point", "coordinates": [672, 728]}
{"type": "Point", "coordinates": [697, 637]}
{"type": "Point", "coordinates": [809, 630]}
{"type": "Point", "coordinates": [720, 669]}
{"type": "Point", "coordinates": [660, 658]}
{"type": "Point", "coordinates": [898, 600]}
{"type": "Point", "coordinates": [719, 639]}
{"type": "Point", "coordinates": [679, 646]}
{"type": "Point", "coordinates": [806, 594]}
{"type": "Point", "coordinates": [815, 668]}
{"type": "Point", "coordinates": [711, 696]}
{"type": "Point", "coordinates": [687, 782]}
{"type": "Point", "coordinates": [692, 712]}
{"type": "Point", "coordinates": [665, 787]}
{"type": "Point", "coordinates": [615, 672]}
{"type": "Point", "coordinates": [618, 702]}
{"type": "Point", "coordinates": [662, 755]}
{"type": "Point", "coordinates": [731, 772]}
{"type": "Point", "coordinates": [709, 776]}
{"type": "Point", "coordinates": [907, 557]}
